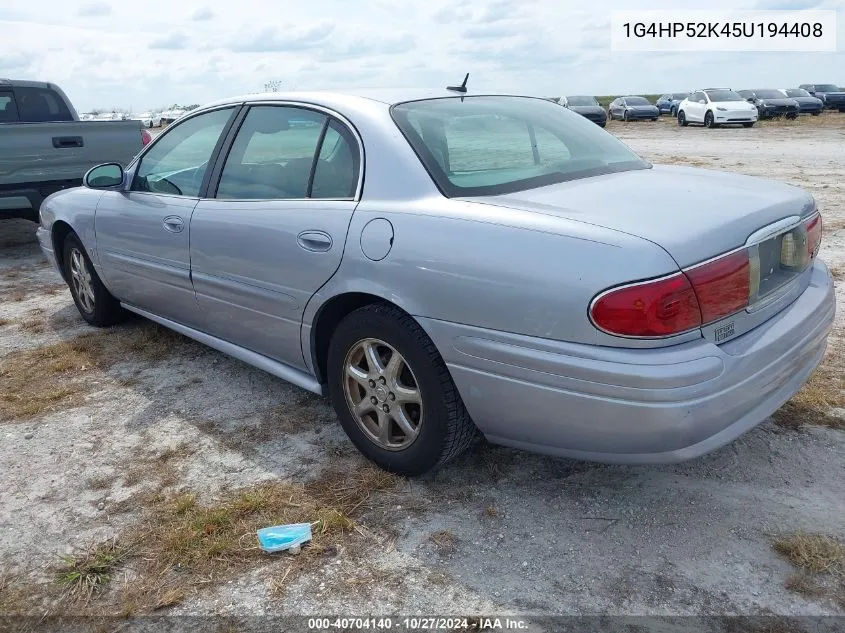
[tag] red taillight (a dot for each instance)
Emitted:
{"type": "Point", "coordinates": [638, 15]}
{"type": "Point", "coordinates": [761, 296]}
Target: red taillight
{"type": "Point", "coordinates": [146, 137]}
{"type": "Point", "coordinates": [653, 308]}
{"type": "Point", "coordinates": [814, 236]}
{"type": "Point", "coordinates": [722, 286]}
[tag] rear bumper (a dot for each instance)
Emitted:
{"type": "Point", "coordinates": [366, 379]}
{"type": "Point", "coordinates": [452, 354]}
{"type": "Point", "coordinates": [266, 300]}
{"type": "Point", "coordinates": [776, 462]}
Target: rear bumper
{"type": "Point", "coordinates": [635, 405]}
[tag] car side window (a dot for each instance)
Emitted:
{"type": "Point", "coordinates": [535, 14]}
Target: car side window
{"type": "Point", "coordinates": [336, 169]}
{"type": "Point", "coordinates": [177, 163]}
{"type": "Point", "coordinates": [273, 155]}
{"type": "Point", "coordinates": [8, 108]}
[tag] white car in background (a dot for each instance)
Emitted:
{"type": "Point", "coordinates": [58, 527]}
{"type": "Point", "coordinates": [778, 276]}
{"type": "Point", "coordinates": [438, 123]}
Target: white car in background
{"type": "Point", "coordinates": [716, 106]}
{"type": "Point", "coordinates": [148, 119]}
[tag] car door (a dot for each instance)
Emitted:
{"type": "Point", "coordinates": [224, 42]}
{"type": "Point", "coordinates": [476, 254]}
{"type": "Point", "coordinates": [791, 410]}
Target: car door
{"type": "Point", "coordinates": [141, 232]}
{"type": "Point", "coordinates": [696, 107]}
{"type": "Point", "coordinates": [274, 227]}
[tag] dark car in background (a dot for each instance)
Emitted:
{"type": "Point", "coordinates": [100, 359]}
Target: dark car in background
{"type": "Point", "coordinates": [632, 108]}
{"type": "Point", "coordinates": [668, 103]}
{"type": "Point", "coordinates": [587, 107]}
{"type": "Point", "coordinates": [832, 96]}
{"type": "Point", "coordinates": [807, 103]}
{"type": "Point", "coordinates": [771, 103]}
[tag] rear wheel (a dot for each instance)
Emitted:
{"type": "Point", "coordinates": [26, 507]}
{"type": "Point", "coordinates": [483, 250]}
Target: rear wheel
{"type": "Point", "coordinates": [96, 304]}
{"type": "Point", "coordinates": [748, 124]}
{"type": "Point", "coordinates": [682, 119]}
{"type": "Point", "coordinates": [817, 113]}
{"type": "Point", "coordinates": [673, 111]}
{"type": "Point", "coordinates": [393, 394]}
{"type": "Point", "coordinates": [791, 116]}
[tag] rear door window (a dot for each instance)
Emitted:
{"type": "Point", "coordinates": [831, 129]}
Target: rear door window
{"type": "Point", "coordinates": [8, 108]}
{"type": "Point", "coordinates": [37, 105]}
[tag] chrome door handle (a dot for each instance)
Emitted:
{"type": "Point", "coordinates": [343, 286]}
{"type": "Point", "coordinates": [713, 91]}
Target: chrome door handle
{"type": "Point", "coordinates": [316, 241]}
{"type": "Point", "coordinates": [173, 223]}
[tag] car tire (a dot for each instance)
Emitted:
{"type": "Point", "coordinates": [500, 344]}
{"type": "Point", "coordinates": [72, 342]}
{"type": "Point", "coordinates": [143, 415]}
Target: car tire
{"type": "Point", "coordinates": [437, 427]}
{"type": "Point", "coordinates": [625, 116]}
{"type": "Point", "coordinates": [816, 113]}
{"type": "Point", "coordinates": [709, 120]}
{"type": "Point", "coordinates": [603, 124]}
{"type": "Point", "coordinates": [673, 112]}
{"type": "Point", "coordinates": [682, 119]}
{"type": "Point", "coordinates": [95, 303]}
{"type": "Point", "coordinates": [791, 116]}
{"type": "Point", "coordinates": [748, 124]}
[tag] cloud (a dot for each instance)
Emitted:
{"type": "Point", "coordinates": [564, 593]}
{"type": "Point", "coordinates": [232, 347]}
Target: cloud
{"type": "Point", "coordinates": [16, 62]}
{"type": "Point", "coordinates": [202, 14]}
{"type": "Point", "coordinates": [94, 9]}
{"type": "Point", "coordinates": [493, 30]}
{"type": "Point", "coordinates": [272, 38]}
{"type": "Point", "coordinates": [789, 5]}
{"type": "Point", "coordinates": [172, 42]}
{"type": "Point", "coordinates": [400, 43]}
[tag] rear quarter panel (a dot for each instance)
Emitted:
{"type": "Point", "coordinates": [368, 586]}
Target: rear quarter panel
{"type": "Point", "coordinates": [492, 267]}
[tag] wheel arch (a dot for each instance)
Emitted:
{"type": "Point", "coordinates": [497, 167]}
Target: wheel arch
{"type": "Point", "coordinates": [326, 318]}
{"type": "Point", "coordinates": [58, 234]}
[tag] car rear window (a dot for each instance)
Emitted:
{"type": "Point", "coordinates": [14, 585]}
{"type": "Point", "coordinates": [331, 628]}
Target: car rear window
{"type": "Point", "coordinates": [8, 108]}
{"type": "Point", "coordinates": [680, 96]}
{"type": "Point", "coordinates": [491, 145]}
{"type": "Point", "coordinates": [36, 105]}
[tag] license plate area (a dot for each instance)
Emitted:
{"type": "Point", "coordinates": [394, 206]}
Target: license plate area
{"type": "Point", "coordinates": [776, 262]}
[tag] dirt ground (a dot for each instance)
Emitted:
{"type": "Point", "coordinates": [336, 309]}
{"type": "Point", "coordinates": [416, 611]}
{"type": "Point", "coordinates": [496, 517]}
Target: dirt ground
{"type": "Point", "coordinates": [104, 435]}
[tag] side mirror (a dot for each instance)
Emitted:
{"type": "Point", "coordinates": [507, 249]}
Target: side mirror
{"type": "Point", "coordinates": [104, 176]}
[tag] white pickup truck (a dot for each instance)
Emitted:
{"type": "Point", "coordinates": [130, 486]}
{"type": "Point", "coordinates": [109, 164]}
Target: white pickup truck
{"type": "Point", "coordinates": [44, 147]}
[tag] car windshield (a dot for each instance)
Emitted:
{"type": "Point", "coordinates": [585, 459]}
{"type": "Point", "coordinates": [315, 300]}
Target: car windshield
{"type": "Point", "coordinates": [582, 101]}
{"type": "Point", "coordinates": [768, 94]}
{"type": "Point", "coordinates": [680, 96]}
{"type": "Point", "coordinates": [637, 101]}
{"type": "Point", "coordinates": [796, 92]}
{"type": "Point", "coordinates": [723, 95]}
{"type": "Point", "coordinates": [826, 88]}
{"type": "Point", "coordinates": [491, 145]}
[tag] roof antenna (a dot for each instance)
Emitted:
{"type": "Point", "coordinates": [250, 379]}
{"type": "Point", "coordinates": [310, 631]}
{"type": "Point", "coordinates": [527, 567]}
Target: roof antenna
{"type": "Point", "coordinates": [461, 88]}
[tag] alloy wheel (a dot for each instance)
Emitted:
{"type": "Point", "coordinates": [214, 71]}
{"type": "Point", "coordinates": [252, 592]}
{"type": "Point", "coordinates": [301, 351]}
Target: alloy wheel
{"type": "Point", "coordinates": [81, 280]}
{"type": "Point", "coordinates": [383, 394]}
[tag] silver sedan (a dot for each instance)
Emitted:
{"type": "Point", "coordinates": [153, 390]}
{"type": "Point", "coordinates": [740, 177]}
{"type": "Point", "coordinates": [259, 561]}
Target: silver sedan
{"type": "Point", "coordinates": [444, 264]}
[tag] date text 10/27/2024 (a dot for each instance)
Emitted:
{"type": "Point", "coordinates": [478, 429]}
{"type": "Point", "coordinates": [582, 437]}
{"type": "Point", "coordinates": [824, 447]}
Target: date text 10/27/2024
{"type": "Point", "coordinates": [418, 624]}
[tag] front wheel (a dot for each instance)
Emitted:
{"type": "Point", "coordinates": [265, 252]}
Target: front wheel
{"type": "Point", "coordinates": [682, 119]}
{"type": "Point", "coordinates": [674, 112]}
{"type": "Point", "coordinates": [748, 124]}
{"type": "Point", "coordinates": [817, 113]}
{"type": "Point", "coordinates": [94, 302]}
{"type": "Point", "coordinates": [709, 121]}
{"type": "Point", "coordinates": [625, 116]}
{"type": "Point", "coordinates": [393, 394]}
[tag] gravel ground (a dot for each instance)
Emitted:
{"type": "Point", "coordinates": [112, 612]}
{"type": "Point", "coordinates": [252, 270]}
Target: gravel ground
{"type": "Point", "coordinates": [498, 532]}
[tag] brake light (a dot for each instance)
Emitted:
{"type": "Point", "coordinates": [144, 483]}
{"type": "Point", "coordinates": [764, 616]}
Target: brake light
{"type": "Point", "coordinates": [146, 137]}
{"type": "Point", "coordinates": [652, 308]}
{"type": "Point", "coordinates": [814, 236]}
{"type": "Point", "coordinates": [722, 286]}
{"type": "Point", "coordinates": [699, 295]}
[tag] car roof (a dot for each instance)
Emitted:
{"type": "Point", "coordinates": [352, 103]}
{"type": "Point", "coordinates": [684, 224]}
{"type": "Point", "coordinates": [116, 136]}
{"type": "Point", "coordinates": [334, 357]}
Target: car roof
{"type": "Point", "coordinates": [385, 96]}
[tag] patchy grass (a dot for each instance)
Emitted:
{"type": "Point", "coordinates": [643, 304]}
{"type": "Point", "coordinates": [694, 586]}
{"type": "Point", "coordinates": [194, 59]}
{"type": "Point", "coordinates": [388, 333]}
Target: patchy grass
{"type": "Point", "coordinates": [816, 553]}
{"type": "Point", "coordinates": [182, 543]}
{"type": "Point", "coordinates": [820, 561]}
{"type": "Point", "coordinates": [824, 391]}
{"type": "Point", "coordinates": [92, 570]}
{"type": "Point", "coordinates": [46, 378]}
{"type": "Point", "coordinates": [683, 160]}
{"type": "Point", "coordinates": [838, 271]}
{"type": "Point", "coordinates": [5, 322]}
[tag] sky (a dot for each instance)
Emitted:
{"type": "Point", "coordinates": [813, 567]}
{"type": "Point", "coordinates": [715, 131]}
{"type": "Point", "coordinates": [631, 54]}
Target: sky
{"type": "Point", "coordinates": [151, 54]}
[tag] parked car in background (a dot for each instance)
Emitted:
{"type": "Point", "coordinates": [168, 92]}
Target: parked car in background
{"type": "Point", "coordinates": [771, 103]}
{"type": "Point", "coordinates": [148, 119]}
{"type": "Point", "coordinates": [713, 107]}
{"type": "Point", "coordinates": [632, 108]}
{"type": "Point", "coordinates": [45, 147]}
{"type": "Point", "coordinates": [832, 96]}
{"type": "Point", "coordinates": [617, 328]}
{"type": "Point", "coordinates": [807, 103]}
{"type": "Point", "coordinates": [587, 107]}
{"type": "Point", "coordinates": [669, 102]}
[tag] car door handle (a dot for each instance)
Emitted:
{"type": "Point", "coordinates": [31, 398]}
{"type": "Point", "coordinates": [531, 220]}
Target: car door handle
{"type": "Point", "coordinates": [61, 142]}
{"type": "Point", "coordinates": [316, 241]}
{"type": "Point", "coordinates": [173, 223]}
